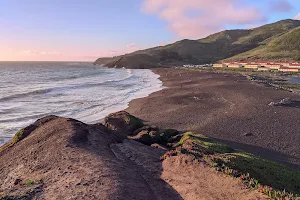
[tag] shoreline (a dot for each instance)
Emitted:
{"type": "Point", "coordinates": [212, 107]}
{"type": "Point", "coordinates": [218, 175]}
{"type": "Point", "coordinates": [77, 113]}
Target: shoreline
{"type": "Point", "coordinates": [157, 85]}
{"type": "Point", "coordinates": [226, 107]}
{"type": "Point", "coordinates": [91, 106]}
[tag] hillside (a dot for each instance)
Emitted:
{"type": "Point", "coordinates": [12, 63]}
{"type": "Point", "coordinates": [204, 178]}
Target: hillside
{"type": "Point", "coordinates": [283, 48]}
{"type": "Point", "coordinates": [218, 46]}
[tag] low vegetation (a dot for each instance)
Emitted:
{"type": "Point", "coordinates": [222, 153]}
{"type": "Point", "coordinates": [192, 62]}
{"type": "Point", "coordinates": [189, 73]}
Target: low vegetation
{"type": "Point", "coordinates": [273, 179]}
{"type": "Point", "coordinates": [282, 48]}
{"type": "Point", "coordinates": [276, 82]}
{"type": "Point", "coordinates": [18, 136]}
{"type": "Point", "coordinates": [29, 182]}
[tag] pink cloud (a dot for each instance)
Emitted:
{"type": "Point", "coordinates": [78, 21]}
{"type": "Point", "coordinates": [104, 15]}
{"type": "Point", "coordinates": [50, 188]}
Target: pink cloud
{"type": "Point", "coordinates": [297, 17]}
{"type": "Point", "coordinates": [199, 18]}
{"type": "Point", "coordinates": [131, 45]}
{"type": "Point", "coordinates": [8, 52]}
{"type": "Point", "coordinates": [109, 53]}
{"type": "Point", "coordinates": [281, 6]}
{"type": "Point", "coordinates": [35, 52]}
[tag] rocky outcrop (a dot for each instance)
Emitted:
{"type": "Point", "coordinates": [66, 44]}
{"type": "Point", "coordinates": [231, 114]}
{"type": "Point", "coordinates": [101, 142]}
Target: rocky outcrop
{"type": "Point", "coordinates": [147, 135]}
{"type": "Point", "coordinates": [123, 122]}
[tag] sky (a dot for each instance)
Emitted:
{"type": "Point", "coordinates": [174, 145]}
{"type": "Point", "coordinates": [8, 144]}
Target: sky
{"type": "Point", "coordinates": [83, 30]}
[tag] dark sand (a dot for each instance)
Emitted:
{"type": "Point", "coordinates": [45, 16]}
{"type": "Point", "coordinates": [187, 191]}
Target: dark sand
{"type": "Point", "coordinates": [225, 107]}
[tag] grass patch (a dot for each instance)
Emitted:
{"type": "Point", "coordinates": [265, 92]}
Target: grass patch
{"type": "Point", "coordinates": [235, 69]}
{"type": "Point", "coordinates": [18, 136]}
{"type": "Point", "coordinates": [290, 85]}
{"type": "Point", "coordinates": [29, 182]}
{"type": "Point", "coordinates": [275, 82]}
{"type": "Point", "coordinates": [275, 180]}
{"type": "Point", "coordinates": [207, 145]}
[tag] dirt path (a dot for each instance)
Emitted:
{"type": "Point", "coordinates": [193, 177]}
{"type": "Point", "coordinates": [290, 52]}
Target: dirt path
{"type": "Point", "coordinates": [190, 179]}
{"type": "Point", "coordinates": [195, 181]}
{"type": "Point", "coordinates": [146, 162]}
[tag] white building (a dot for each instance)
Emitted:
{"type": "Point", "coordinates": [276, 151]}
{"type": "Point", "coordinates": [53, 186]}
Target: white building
{"type": "Point", "coordinates": [235, 65]}
{"type": "Point", "coordinates": [219, 65]}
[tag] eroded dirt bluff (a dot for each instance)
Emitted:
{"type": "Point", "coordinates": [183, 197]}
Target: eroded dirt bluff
{"type": "Point", "coordinates": [62, 158]}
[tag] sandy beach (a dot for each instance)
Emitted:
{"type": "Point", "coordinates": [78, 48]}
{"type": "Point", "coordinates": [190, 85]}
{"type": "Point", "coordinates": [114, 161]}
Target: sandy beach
{"type": "Point", "coordinates": [227, 107]}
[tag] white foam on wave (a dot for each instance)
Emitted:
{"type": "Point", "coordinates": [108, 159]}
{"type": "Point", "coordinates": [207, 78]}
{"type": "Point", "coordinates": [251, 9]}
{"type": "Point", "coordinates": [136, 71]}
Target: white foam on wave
{"type": "Point", "coordinates": [87, 98]}
{"type": "Point", "coordinates": [152, 84]}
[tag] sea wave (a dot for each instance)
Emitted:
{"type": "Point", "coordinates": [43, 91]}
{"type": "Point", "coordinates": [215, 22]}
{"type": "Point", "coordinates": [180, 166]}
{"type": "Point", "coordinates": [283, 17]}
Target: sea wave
{"type": "Point", "coordinates": [53, 89]}
{"type": "Point", "coordinates": [88, 98]}
{"type": "Point", "coordinates": [21, 95]}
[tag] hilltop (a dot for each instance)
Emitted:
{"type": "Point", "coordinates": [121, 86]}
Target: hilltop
{"type": "Point", "coordinates": [265, 42]}
{"type": "Point", "coordinates": [62, 158]}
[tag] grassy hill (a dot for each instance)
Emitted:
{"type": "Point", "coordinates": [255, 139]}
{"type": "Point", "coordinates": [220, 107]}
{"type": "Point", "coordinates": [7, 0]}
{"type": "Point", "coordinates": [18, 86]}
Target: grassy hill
{"type": "Point", "coordinates": [285, 47]}
{"type": "Point", "coordinates": [282, 36]}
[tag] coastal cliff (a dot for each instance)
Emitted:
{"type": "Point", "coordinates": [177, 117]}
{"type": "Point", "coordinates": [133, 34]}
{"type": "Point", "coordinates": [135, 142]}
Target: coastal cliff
{"type": "Point", "coordinates": [123, 158]}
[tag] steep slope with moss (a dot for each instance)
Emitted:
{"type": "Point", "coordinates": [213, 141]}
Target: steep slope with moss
{"type": "Point", "coordinates": [218, 46]}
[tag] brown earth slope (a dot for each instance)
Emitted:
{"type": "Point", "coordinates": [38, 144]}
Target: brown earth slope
{"type": "Point", "coordinates": [60, 158]}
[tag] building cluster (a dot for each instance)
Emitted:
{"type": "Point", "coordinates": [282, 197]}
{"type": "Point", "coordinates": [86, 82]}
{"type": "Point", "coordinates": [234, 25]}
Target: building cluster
{"type": "Point", "coordinates": [197, 66]}
{"type": "Point", "coordinates": [261, 66]}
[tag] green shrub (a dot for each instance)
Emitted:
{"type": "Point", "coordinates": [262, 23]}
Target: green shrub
{"type": "Point", "coordinates": [29, 182]}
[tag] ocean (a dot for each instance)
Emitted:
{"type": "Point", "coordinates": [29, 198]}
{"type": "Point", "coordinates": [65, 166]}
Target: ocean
{"type": "Point", "coordinates": [31, 90]}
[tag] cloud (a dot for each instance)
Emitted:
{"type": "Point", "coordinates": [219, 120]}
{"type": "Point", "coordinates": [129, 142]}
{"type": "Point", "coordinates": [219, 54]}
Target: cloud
{"type": "Point", "coordinates": [281, 6]}
{"type": "Point", "coordinates": [297, 17]}
{"type": "Point", "coordinates": [198, 18]}
{"type": "Point", "coordinates": [124, 50]}
{"type": "Point", "coordinates": [35, 52]}
{"type": "Point", "coordinates": [131, 45]}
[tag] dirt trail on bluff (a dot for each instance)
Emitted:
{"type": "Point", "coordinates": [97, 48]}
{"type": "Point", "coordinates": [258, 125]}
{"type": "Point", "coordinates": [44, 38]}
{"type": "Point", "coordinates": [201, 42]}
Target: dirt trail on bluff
{"type": "Point", "coordinates": [190, 179]}
{"type": "Point", "coordinates": [66, 159]}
